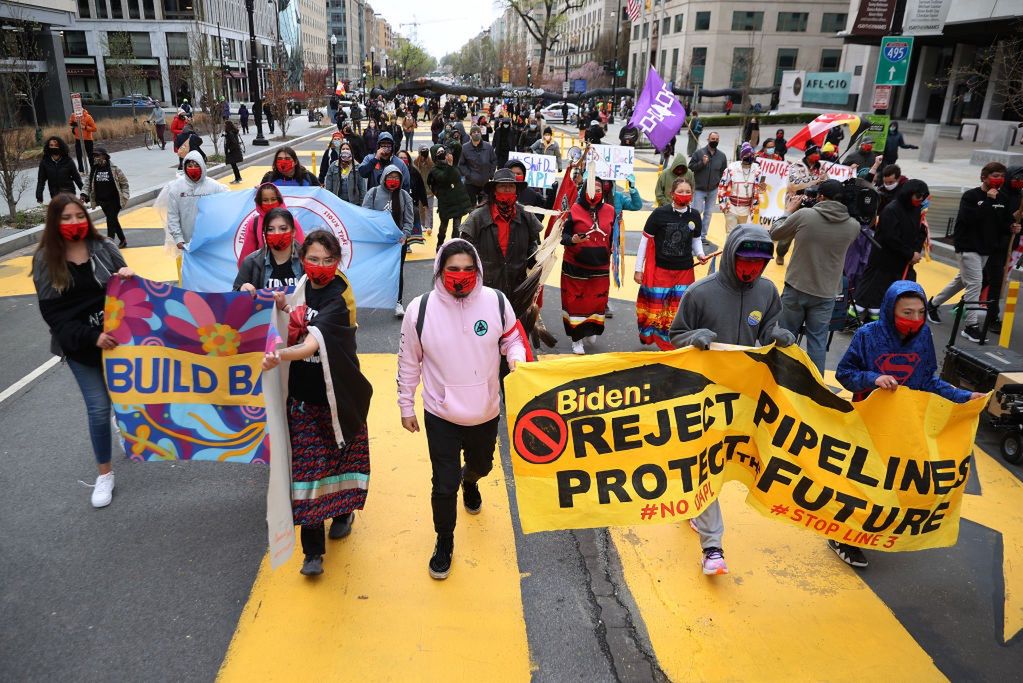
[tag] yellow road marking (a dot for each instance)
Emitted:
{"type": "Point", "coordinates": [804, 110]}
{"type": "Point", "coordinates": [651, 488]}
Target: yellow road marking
{"type": "Point", "coordinates": [149, 262]}
{"type": "Point", "coordinates": [789, 610]}
{"type": "Point", "coordinates": [997, 508]}
{"type": "Point", "coordinates": [376, 614]}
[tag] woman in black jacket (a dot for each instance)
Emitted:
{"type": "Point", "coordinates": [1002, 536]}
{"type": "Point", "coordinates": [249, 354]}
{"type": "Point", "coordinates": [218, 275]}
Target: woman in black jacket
{"type": "Point", "coordinates": [57, 170]}
{"type": "Point", "coordinates": [288, 171]}
{"type": "Point", "coordinates": [71, 268]}
{"type": "Point", "coordinates": [232, 150]}
{"type": "Point", "coordinates": [901, 237]}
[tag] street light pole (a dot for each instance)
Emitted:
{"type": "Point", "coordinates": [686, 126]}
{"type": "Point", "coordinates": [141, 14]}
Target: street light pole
{"type": "Point", "coordinates": [333, 58]}
{"type": "Point", "coordinates": [614, 74]}
{"type": "Point", "coordinates": [257, 100]}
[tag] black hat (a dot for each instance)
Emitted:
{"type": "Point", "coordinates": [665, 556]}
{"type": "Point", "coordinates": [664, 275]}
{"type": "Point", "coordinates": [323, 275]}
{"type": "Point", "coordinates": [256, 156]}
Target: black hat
{"type": "Point", "coordinates": [504, 175]}
{"type": "Point", "coordinates": [831, 189]}
{"type": "Point", "coordinates": [516, 163]}
{"type": "Point", "coordinates": [811, 149]}
{"type": "Point", "coordinates": [548, 130]}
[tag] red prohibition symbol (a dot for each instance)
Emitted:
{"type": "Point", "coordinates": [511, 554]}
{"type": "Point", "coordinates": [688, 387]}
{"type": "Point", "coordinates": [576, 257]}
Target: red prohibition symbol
{"type": "Point", "coordinates": [540, 436]}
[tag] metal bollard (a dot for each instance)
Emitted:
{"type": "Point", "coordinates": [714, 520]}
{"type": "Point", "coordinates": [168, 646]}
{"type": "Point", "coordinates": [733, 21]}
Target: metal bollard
{"type": "Point", "coordinates": [1009, 315]}
{"type": "Point", "coordinates": [313, 163]}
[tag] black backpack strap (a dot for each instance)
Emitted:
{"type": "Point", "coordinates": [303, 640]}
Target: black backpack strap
{"type": "Point", "coordinates": [421, 318]}
{"type": "Point", "coordinates": [500, 305]}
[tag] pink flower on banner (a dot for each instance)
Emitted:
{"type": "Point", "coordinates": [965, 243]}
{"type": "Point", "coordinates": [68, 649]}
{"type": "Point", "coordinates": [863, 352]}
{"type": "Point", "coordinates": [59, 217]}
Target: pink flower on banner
{"type": "Point", "coordinates": [126, 311]}
{"type": "Point", "coordinates": [219, 326]}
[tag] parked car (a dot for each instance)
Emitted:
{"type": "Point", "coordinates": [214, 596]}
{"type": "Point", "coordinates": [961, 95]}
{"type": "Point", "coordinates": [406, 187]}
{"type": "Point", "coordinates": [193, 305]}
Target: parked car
{"type": "Point", "coordinates": [345, 106]}
{"type": "Point", "coordinates": [552, 113]}
{"type": "Point", "coordinates": [138, 101]}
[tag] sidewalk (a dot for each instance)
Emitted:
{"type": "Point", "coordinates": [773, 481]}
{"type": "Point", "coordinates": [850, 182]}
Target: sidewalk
{"type": "Point", "coordinates": [147, 168]}
{"type": "Point", "coordinates": [951, 168]}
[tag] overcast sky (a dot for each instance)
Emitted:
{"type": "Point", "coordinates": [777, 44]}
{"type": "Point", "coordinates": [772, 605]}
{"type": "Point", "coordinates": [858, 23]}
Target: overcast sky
{"type": "Point", "coordinates": [445, 25]}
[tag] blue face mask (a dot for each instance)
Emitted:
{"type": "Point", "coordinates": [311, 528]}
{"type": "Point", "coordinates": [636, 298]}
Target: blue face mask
{"type": "Point", "coordinates": [925, 204]}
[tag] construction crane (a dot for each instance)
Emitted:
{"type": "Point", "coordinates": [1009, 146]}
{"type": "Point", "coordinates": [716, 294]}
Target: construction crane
{"type": "Point", "coordinates": [415, 24]}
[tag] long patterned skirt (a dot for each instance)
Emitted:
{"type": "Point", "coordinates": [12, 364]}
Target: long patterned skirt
{"type": "Point", "coordinates": [326, 481]}
{"type": "Point", "coordinates": [583, 301]}
{"type": "Point", "coordinates": [658, 300]}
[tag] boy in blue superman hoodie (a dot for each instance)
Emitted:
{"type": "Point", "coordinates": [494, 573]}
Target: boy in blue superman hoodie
{"type": "Point", "coordinates": [897, 349]}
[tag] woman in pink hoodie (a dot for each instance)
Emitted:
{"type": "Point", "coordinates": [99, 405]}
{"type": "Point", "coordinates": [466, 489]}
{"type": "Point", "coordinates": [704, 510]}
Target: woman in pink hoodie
{"type": "Point", "coordinates": [453, 338]}
{"type": "Point", "coordinates": [268, 196]}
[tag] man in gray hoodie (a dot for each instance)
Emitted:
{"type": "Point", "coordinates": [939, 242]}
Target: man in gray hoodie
{"type": "Point", "coordinates": [822, 235]}
{"type": "Point", "coordinates": [733, 306]}
{"type": "Point", "coordinates": [708, 164]}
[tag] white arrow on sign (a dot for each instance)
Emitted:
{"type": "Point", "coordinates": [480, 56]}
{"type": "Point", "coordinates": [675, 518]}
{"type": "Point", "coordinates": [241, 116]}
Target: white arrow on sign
{"type": "Point", "coordinates": [891, 74]}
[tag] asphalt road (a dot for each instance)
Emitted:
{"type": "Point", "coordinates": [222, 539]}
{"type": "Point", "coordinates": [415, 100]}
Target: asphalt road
{"type": "Point", "coordinates": [152, 587]}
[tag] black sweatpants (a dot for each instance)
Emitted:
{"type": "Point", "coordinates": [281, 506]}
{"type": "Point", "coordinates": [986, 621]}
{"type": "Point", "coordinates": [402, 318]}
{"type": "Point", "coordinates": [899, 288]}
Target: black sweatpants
{"type": "Point", "coordinates": [111, 211]}
{"type": "Point", "coordinates": [446, 441]}
{"type": "Point", "coordinates": [314, 539]}
{"type": "Point", "coordinates": [237, 173]}
{"type": "Point", "coordinates": [443, 229]}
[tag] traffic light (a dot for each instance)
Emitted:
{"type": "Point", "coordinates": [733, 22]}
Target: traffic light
{"type": "Point", "coordinates": [609, 66]}
{"type": "Point", "coordinates": [529, 75]}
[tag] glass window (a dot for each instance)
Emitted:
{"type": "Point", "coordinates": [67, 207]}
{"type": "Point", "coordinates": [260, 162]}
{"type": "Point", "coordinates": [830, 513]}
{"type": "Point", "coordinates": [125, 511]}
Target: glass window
{"type": "Point", "coordinates": [116, 11]}
{"type": "Point", "coordinates": [742, 58]}
{"type": "Point", "coordinates": [646, 30]}
{"type": "Point", "coordinates": [747, 21]}
{"type": "Point", "coordinates": [787, 57]}
{"type": "Point", "coordinates": [74, 44]}
{"type": "Point", "coordinates": [177, 45]}
{"type": "Point", "coordinates": [833, 22]}
{"type": "Point", "coordinates": [101, 9]}
{"type": "Point", "coordinates": [678, 23]}
{"type": "Point", "coordinates": [664, 58]}
{"type": "Point", "coordinates": [148, 9]}
{"type": "Point", "coordinates": [635, 32]}
{"type": "Point", "coordinates": [674, 63]}
{"type": "Point", "coordinates": [178, 9]}
{"type": "Point", "coordinates": [133, 9]}
{"type": "Point", "coordinates": [703, 21]}
{"type": "Point", "coordinates": [666, 26]}
{"type": "Point", "coordinates": [830, 59]}
{"type": "Point", "coordinates": [793, 22]}
{"type": "Point", "coordinates": [141, 45]}
{"type": "Point", "coordinates": [83, 9]}
{"type": "Point", "coordinates": [697, 66]}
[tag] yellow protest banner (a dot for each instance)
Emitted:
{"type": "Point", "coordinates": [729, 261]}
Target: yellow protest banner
{"type": "Point", "coordinates": [642, 438]}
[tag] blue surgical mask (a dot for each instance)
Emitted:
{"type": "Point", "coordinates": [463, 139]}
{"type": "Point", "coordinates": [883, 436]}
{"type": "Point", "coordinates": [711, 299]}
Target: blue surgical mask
{"type": "Point", "coordinates": [925, 204]}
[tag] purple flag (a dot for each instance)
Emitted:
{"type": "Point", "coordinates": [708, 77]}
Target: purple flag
{"type": "Point", "coordinates": [658, 112]}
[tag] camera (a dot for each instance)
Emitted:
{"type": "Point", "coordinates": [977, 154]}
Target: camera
{"type": "Point", "coordinates": [809, 196]}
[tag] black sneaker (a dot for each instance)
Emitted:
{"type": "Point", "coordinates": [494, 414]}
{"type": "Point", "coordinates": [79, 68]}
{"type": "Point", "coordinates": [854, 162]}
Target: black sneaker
{"type": "Point", "coordinates": [972, 332]}
{"type": "Point", "coordinates": [313, 565]}
{"type": "Point", "coordinates": [849, 554]}
{"type": "Point", "coordinates": [995, 326]}
{"type": "Point", "coordinates": [440, 563]}
{"type": "Point", "coordinates": [471, 497]}
{"type": "Point", "coordinates": [932, 313]}
{"type": "Point", "coordinates": [341, 526]}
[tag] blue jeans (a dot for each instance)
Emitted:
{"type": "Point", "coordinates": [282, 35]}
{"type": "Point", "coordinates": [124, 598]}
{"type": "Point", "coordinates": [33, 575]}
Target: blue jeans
{"type": "Point", "coordinates": [97, 407]}
{"type": "Point", "coordinates": [799, 309]}
{"type": "Point", "coordinates": [704, 202]}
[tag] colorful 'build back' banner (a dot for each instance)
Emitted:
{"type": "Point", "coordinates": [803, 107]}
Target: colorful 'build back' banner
{"type": "Point", "coordinates": [643, 438]}
{"type": "Point", "coordinates": [185, 378]}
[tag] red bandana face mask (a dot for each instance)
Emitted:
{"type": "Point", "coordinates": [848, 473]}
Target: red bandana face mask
{"type": "Point", "coordinates": [813, 159]}
{"type": "Point", "coordinates": [267, 206]}
{"type": "Point", "coordinates": [459, 282]}
{"type": "Point", "coordinates": [285, 165]}
{"type": "Point", "coordinates": [519, 177]}
{"type": "Point", "coordinates": [1016, 184]}
{"type": "Point", "coordinates": [906, 327]}
{"type": "Point", "coordinates": [995, 182]}
{"type": "Point", "coordinates": [505, 198]}
{"type": "Point", "coordinates": [595, 198]}
{"type": "Point", "coordinates": [392, 184]}
{"type": "Point", "coordinates": [194, 173]}
{"type": "Point", "coordinates": [73, 232]}
{"type": "Point", "coordinates": [749, 269]}
{"type": "Point", "coordinates": [682, 199]}
{"type": "Point", "coordinates": [279, 240]}
{"type": "Point", "coordinates": [320, 275]}
{"type": "Point", "coordinates": [867, 148]}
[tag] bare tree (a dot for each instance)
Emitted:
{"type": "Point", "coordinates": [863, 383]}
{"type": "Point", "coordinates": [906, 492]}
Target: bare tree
{"type": "Point", "coordinates": [21, 50]}
{"type": "Point", "coordinates": [277, 97]}
{"type": "Point", "coordinates": [316, 90]}
{"type": "Point", "coordinates": [121, 65]}
{"type": "Point", "coordinates": [16, 142]}
{"type": "Point", "coordinates": [207, 79]}
{"type": "Point", "coordinates": [998, 67]}
{"type": "Point", "coordinates": [543, 19]}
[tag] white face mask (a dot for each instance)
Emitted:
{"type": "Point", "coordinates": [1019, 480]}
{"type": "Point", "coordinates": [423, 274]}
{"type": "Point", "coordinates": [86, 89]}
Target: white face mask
{"type": "Point", "coordinates": [891, 186]}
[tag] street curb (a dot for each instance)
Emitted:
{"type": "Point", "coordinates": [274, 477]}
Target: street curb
{"type": "Point", "coordinates": [30, 236]}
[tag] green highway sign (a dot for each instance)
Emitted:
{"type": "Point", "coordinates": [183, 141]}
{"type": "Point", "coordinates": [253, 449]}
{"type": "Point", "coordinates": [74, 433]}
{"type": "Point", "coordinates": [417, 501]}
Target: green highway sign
{"type": "Point", "coordinates": [620, 73]}
{"type": "Point", "coordinates": [893, 62]}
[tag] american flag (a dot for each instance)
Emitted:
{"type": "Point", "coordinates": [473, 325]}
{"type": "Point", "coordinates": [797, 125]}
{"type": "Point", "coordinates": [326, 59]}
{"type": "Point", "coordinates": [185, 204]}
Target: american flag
{"type": "Point", "coordinates": [632, 9]}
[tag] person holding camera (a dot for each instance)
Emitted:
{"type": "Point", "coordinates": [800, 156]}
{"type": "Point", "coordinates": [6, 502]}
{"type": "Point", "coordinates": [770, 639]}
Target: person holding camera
{"type": "Point", "coordinates": [822, 233]}
{"type": "Point", "coordinates": [804, 174]}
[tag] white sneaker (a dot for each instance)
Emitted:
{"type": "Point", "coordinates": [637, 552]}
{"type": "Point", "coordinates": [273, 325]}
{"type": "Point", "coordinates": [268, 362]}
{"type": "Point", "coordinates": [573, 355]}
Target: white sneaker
{"type": "Point", "coordinates": [577, 348]}
{"type": "Point", "coordinates": [399, 310]}
{"type": "Point", "coordinates": [103, 491]}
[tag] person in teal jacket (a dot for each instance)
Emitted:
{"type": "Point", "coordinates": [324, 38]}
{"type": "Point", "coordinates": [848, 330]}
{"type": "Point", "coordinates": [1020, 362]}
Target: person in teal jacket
{"type": "Point", "coordinates": [622, 202]}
